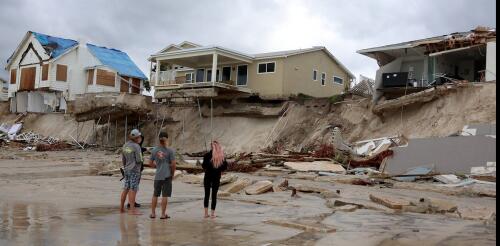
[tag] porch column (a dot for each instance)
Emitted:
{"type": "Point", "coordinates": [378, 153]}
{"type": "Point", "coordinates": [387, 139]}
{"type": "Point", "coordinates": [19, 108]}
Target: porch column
{"type": "Point", "coordinates": [214, 68]}
{"type": "Point", "coordinates": [157, 77]}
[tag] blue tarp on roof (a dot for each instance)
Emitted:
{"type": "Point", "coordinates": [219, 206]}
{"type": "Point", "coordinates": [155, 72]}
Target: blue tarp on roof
{"type": "Point", "coordinates": [117, 60]}
{"type": "Point", "coordinates": [54, 45]}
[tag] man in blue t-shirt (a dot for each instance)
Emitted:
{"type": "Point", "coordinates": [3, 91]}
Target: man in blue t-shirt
{"type": "Point", "coordinates": [163, 158]}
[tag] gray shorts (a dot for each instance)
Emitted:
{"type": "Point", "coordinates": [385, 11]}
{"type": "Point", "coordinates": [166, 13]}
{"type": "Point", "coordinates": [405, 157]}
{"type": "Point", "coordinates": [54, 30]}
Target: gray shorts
{"type": "Point", "coordinates": [163, 187]}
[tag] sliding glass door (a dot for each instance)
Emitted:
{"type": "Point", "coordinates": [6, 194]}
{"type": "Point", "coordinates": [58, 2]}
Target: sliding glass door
{"type": "Point", "coordinates": [242, 73]}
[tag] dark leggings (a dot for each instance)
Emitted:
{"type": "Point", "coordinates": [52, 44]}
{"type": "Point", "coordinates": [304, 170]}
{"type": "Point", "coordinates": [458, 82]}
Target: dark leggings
{"type": "Point", "coordinates": [211, 182]}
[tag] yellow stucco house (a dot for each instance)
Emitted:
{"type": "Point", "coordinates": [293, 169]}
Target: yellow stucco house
{"type": "Point", "coordinates": [186, 70]}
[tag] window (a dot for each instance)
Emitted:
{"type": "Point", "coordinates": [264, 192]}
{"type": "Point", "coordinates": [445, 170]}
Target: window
{"type": "Point", "coordinates": [338, 80]}
{"type": "Point", "coordinates": [242, 77]}
{"type": "Point", "coordinates": [323, 77]}
{"type": "Point", "coordinates": [104, 77]}
{"type": "Point", "coordinates": [61, 72]}
{"type": "Point", "coordinates": [189, 77]}
{"type": "Point", "coordinates": [226, 73]}
{"type": "Point", "coordinates": [13, 76]}
{"type": "Point", "coordinates": [45, 71]}
{"type": "Point", "coordinates": [136, 85]}
{"type": "Point", "coordinates": [124, 83]}
{"type": "Point", "coordinates": [209, 75]}
{"type": "Point", "coordinates": [200, 74]}
{"type": "Point", "coordinates": [315, 75]}
{"type": "Point", "coordinates": [268, 67]}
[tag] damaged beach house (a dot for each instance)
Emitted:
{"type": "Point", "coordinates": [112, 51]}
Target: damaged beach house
{"type": "Point", "coordinates": [187, 70]}
{"type": "Point", "coordinates": [47, 72]}
{"type": "Point", "coordinates": [416, 66]}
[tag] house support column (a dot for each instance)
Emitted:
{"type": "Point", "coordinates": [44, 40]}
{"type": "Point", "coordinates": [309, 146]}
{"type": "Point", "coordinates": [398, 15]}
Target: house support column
{"type": "Point", "coordinates": [214, 68]}
{"type": "Point", "coordinates": [157, 77]}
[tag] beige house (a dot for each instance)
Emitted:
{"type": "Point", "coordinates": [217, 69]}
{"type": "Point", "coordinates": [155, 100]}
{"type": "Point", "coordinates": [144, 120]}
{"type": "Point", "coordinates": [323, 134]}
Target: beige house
{"type": "Point", "coordinates": [186, 70]}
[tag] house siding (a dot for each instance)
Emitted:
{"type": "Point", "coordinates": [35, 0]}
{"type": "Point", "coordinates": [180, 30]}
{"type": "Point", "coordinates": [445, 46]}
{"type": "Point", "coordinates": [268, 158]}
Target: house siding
{"type": "Point", "coordinates": [298, 75]}
{"type": "Point", "coordinates": [267, 85]}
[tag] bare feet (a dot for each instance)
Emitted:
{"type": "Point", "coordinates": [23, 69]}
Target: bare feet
{"type": "Point", "coordinates": [122, 210]}
{"type": "Point", "coordinates": [206, 216]}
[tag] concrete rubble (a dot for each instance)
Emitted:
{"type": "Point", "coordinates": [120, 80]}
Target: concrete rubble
{"type": "Point", "coordinates": [390, 202]}
{"type": "Point", "coordinates": [239, 185]}
{"type": "Point", "coordinates": [259, 187]}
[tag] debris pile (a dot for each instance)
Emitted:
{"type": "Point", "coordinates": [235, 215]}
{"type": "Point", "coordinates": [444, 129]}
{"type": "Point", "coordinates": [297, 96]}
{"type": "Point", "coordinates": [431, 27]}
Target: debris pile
{"type": "Point", "coordinates": [30, 140]}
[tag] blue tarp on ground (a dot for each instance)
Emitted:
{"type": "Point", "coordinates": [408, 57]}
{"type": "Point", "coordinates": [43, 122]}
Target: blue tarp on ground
{"type": "Point", "coordinates": [56, 46]}
{"type": "Point", "coordinates": [117, 60]}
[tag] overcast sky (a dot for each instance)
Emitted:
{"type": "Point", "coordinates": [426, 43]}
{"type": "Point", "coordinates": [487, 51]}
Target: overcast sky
{"type": "Point", "coordinates": [141, 28]}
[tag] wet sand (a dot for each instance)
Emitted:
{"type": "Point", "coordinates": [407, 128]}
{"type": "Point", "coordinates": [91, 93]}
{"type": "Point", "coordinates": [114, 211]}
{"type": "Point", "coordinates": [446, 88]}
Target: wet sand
{"type": "Point", "coordinates": [53, 199]}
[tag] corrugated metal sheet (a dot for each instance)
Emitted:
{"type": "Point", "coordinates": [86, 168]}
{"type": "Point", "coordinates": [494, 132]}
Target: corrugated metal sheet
{"type": "Point", "coordinates": [53, 45]}
{"type": "Point", "coordinates": [117, 60]}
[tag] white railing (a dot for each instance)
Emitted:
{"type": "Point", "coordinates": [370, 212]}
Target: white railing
{"type": "Point", "coordinates": [165, 78]}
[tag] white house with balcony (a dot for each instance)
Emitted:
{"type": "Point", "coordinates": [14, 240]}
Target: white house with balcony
{"type": "Point", "coordinates": [47, 71]}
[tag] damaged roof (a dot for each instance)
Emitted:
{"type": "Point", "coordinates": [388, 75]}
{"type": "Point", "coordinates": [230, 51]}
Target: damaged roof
{"type": "Point", "coordinates": [478, 35]}
{"type": "Point", "coordinates": [54, 46]}
{"type": "Point", "coordinates": [117, 60]}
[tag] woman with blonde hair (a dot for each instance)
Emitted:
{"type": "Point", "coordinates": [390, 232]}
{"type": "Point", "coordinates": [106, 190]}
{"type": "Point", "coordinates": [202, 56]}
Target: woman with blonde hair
{"type": "Point", "coordinates": [214, 163]}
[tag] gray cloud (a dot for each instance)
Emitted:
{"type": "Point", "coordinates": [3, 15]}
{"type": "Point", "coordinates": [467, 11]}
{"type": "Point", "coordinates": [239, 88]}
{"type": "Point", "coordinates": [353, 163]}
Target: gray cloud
{"type": "Point", "coordinates": [141, 28]}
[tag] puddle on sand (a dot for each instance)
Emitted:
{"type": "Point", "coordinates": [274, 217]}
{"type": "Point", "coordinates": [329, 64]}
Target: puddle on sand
{"type": "Point", "coordinates": [369, 227]}
{"type": "Point", "coordinates": [38, 224]}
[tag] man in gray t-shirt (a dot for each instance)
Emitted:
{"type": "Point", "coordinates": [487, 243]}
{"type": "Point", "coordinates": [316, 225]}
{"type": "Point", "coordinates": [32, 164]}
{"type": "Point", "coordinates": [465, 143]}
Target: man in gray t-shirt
{"type": "Point", "coordinates": [132, 162]}
{"type": "Point", "coordinates": [163, 158]}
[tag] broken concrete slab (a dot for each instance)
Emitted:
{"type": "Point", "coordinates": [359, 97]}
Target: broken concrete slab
{"type": "Point", "coordinates": [389, 201]}
{"type": "Point", "coordinates": [425, 151]}
{"type": "Point", "coordinates": [477, 214]}
{"type": "Point", "coordinates": [360, 203]}
{"type": "Point", "coordinates": [309, 189]}
{"type": "Point", "coordinates": [315, 166]}
{"type": "Point", "coordinates": [259, 187]}
{"type": "Point", "coordinates": [238, 185]}
{"type": "Point", "coordinates": [308, 228]}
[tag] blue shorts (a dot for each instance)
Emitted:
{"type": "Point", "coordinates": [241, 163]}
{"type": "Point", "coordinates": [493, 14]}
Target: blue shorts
{"type": "Point", "coordinates": [131, 180]}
